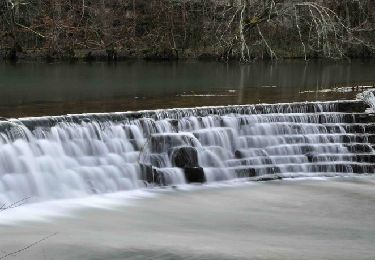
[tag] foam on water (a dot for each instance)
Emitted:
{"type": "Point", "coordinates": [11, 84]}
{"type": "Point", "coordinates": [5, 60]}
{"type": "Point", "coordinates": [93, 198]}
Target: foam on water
{"type": "Point", "coordinates": [368, 97]}
{"type": "Point", "coordinates": [77, 156]}
{"type": "Point", "coordinates": [48, 210]}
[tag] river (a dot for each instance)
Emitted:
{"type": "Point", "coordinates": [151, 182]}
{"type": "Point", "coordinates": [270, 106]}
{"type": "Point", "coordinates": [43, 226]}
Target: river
{"type": "Point", "coordinates": [304, 219]}
{"type": "Point", "coordinates": [116, 185]}
{"type": "Point", "coordinates": [35, 89]}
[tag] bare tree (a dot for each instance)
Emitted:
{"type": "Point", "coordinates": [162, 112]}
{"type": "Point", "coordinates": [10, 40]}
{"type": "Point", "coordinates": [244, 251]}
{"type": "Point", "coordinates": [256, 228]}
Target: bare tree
{"type": "Point", "coordinates": [230, 29]}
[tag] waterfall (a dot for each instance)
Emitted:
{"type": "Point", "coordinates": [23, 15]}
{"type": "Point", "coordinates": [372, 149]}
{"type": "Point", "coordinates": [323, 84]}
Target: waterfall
{"type": "Point", "coordinates": [79, 155]}
{"type": "Point", "coordinates": [368, 97]}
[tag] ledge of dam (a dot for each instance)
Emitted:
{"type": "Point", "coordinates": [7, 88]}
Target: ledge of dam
{"type": "Point", "coordinates": [77, 155]}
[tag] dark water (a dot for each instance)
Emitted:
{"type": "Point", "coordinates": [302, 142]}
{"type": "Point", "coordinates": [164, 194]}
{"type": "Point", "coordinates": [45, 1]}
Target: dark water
{"type": "Point", "coordinates": [28, 89]}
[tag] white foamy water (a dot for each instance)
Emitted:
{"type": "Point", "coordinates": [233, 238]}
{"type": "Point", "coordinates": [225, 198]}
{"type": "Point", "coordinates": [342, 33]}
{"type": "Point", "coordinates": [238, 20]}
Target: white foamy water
{"type": "Point", "coordinates": [304, 219]}
{"type": "Point", "coordinates": [368, 97]}
{"type": "Point", "coordinates": [77, 156]}
{"type": "Point", "coordinates": [68, 208]}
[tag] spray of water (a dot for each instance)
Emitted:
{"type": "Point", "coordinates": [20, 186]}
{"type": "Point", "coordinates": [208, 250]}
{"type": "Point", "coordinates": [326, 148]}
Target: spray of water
{"type": "Point", "coordinates": [79, 155]}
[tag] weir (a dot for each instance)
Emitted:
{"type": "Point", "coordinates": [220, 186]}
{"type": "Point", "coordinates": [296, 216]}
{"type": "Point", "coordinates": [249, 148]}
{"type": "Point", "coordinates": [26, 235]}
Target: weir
{"type": "Point", "coordinates": [79, 155]}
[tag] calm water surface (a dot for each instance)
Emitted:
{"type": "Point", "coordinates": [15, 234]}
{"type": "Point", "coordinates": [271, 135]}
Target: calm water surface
{"type": "Point", "coordinates": [28, 89]}
{"type": "Point", "coordinates": [282, 220]}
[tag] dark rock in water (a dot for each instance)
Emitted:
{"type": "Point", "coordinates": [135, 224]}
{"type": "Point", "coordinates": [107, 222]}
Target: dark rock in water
{"type": "Point", "coordinates": [146, 173]}
{"type": "Point", "coordinates": [351, 106]}
{"type": "Point", "coordinates": [359, 148]}
{"type": "Point", "coordinates": [152, 175]}
{"type": "Point", "coordinates": [185, 157]}
{"type": "Point", "coordinates": [268, 177]}
{"type": "Point", "coordinates": [239, 154]}
{"type": "Point", "coordinates": [310, 156]}
{"type": "Point", "coordinates": [174, 124]}
{"type": "Point", "coordinates": [371, 139]}
{"type": "Point", "coordinates": [158, 177]}
{"type": "Point", "coordinates": [195, 174]}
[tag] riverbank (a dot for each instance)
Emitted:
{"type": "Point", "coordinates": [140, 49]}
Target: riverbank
{"type": "Point", "coordinates": [299, 219]}
{"type": "Point", "coordinates": [164, 55]}
{"type": "Point", "coordinates": [169, 30]}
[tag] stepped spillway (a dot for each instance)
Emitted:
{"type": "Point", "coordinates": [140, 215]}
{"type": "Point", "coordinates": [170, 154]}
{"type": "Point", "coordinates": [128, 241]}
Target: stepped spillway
{"type": "Point", "coordinates": [79, 155]}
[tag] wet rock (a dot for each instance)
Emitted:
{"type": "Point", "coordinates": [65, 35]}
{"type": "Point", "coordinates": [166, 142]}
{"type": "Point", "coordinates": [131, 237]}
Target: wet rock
{"type": "Point", "coordinates": [158, 177]}
{"type": "Point", "coordinates": [359, 148]}
{"type": "Point", "coordinates": [185, 157]}
{"type": "Point", "coordinates": [311, 156]}
{"type": "Point", "coordinates": [371, 139]}
{"type": "Point", "coordinates": [146, 173]}
{"type": "Point", "coordinates": [352, 106]}
{"type": "Point", "coordinates": [151, 175]}
{"type": "Point", "coordinates": [174, 124]}
{"type": "Point", "coordinates": [268, 177]}
{"type": "Point", "coordinates": [239, 154]}
{"type": "Point", "coordinates": [195, 175]}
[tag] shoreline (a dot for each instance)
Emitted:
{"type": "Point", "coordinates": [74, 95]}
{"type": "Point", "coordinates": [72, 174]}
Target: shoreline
{"type": "Point", "coordinates": [113, 56]}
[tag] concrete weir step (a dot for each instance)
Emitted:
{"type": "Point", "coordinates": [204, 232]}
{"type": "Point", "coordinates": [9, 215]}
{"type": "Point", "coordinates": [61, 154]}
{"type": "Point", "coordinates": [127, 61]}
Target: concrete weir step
{"type": "Point", "coordinates": [317, 118]}
{"type": "Point", "coordinates": [153, 175]}
{"type": "Point", "coordinates": [355, 128]}
{"type": "Point", "coordinates": [298, 159]}
{"type": "Point", "coordinates": [338, 167]}
{"type": "Point", "coordinates": [260, 142]}
{"type": "Point", "coordinates": [305, 149]}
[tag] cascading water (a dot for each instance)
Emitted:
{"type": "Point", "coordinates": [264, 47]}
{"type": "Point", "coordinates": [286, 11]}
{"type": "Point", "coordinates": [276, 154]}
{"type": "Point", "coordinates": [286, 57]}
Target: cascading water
{"type": "Point", "coordinates": [78, 155]}
{"type": "Point", "coordinates": [368, 97]}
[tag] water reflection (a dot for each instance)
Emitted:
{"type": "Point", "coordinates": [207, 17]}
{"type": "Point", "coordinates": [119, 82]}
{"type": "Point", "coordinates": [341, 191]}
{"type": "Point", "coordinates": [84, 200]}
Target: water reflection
{"type": "Point", "coordinates": [34, 89]}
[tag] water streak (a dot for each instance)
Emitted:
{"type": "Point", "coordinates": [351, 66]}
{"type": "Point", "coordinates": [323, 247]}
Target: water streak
{"type": "Point", "coordinates": [79, 155]}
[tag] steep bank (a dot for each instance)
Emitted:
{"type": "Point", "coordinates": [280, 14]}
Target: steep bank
{"type": "Point", "coordinates": [170, 30]}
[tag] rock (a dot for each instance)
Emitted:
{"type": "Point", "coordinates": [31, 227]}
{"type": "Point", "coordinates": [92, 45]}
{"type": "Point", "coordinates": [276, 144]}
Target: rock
{"type": "Point", "coordinates": [152, 175]}
{"type": "Point", "coordinates": [195, 174]}
{"type": "Point", "coordinates": [146, 173]}
{"type": "Point", "coordinates": [185, 157]}
{"type": "Point", "coordinates": [161, 55]}
{"type": "Point", "coordinates": [268, 177]}
{"type": "Point", "coordinates": [351, 106]}
{"type": "Point", "coordinates": [310, 156]}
